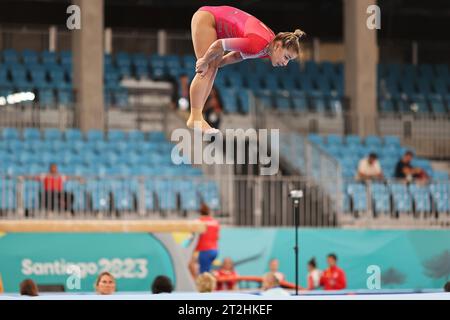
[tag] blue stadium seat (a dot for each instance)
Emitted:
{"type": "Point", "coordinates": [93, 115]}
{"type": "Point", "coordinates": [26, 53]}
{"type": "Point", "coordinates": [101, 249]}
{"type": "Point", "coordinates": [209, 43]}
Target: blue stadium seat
{"type": "Point", "coordinates": [31, 134]}
{"type": "Point", "coordinates": [230, 103]}
{"type": "Point", "coordinates": [166, 195]}
{"type": "Point", "coordinates": [244, 100]}
{"type": "Point", "coordinates": [282, 100]}
{"type": "Point", "coordinates": [8, 199]}
{"type": "Point", "coordinates": [189, 200]}
{"type": "Point", "coordinates": [392, 141]}
{"type": "Point", "coordinates": [10, 134]}
{"type": "Point", "coordinates": [94, 135]}
{"type": "Point", "coordinates": [380, 198]}
{"type": "Point", "coordinates": [440, 175]}
{"type": "Point", "coordinates": [209, 193]}
{"type": "Point", "coordinates": [299, 101]}
{"type": "Point", "coordinates": [100, 195]}
{"type": "Point", "coordinates": [264, 98]}
{"type": "Point", "coordinates": [46, 98]}
{"type": "Point", "coordinates": [440, 192]}
{"type": "Point", "coordinates": [65, 58]}
{"type": "Point", "coordinates": [421, 197]}
{"type": "Point", "coordinates": [253, 82]}
{"type": "Point", "coordinates": [10, 56]}
{"type": "Point", "coordinates": [353, 140]}
{"type": "Point", "coordinates": [121, 97]}
{"type": "Point", "coordinates": [136, 135]}
{"type": "Point", "coordinates": [52, 134]}
{"type": "Point", "coordinates": [437, 104]}
{"type": "Point", "coordinates": [402, 201]}
{"type": "Point", "coordinates": [116, 135]}
{"type": "Point", "coordinates": [30, 57]}
{"type": "Point", "coordinates": [73, 135]}
{"type": "Point", "coordinates": [373, 141]}
{"type": "Point", "coordinates": [31, 191]}
{"type": "Point", "coordinates": [48, 57]}
{"type": "Point", "coordinates": [386, 105]}
{"type": "Point", "coordinates": [289, 83]}
{"type": "Point", "coordinates": [271, 83]}
{"type": "Point", "coordinates": [335, 140]}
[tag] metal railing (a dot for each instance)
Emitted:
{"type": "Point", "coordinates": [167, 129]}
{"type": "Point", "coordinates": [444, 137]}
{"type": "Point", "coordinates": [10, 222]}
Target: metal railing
{"type": "Point", "coordinates": [427, 134]}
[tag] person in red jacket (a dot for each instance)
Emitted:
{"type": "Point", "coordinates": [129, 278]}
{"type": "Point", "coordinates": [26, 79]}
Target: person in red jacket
{"type": "Point", "coordinates": [333, 278]}
{"type": "Point", "coordinates": [208, 242]}
{"type": "Point", "coordinates": [226, 271]}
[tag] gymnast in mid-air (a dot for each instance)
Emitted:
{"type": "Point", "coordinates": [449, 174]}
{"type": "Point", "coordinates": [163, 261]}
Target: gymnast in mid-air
{"type": "Point", "coordinates": [219, 29]}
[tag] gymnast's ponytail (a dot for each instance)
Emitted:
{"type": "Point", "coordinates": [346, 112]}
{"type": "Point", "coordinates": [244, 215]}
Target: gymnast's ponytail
{"type": "Point", "coordinates": [290, 40]}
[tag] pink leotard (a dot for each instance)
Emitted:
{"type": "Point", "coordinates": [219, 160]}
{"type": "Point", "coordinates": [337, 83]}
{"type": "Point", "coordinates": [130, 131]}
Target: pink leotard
{"type": "Point", "coordinates": [241, 31]}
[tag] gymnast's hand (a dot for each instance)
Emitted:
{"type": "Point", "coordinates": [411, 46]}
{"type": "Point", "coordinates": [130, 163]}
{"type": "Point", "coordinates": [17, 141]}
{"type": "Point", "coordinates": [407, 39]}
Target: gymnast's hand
{"type": "Point", "coordinates": [201, 67]}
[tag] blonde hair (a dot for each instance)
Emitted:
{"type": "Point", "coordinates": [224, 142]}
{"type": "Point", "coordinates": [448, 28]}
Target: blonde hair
{"type": "Point", "coordinates": [101, 275]}
{"type": "Point", "coordinates": [206, 282]}
{"type": "Point", "coordinates": [290, 40]}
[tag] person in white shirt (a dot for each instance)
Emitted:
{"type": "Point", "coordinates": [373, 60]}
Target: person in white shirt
{"type": "Point", "coordinates": [314, 275]}
{"type": "Point", "coordinates": [271, 286]}
{"type": "Point", "coordinates": [273, 267]}
{"type": "Point", "coordinates": [369, 168]}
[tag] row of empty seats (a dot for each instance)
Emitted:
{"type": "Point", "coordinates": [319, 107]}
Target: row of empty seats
{"type": "Point", "coordinates": [401, 88]}
{"type": "Point", "coordinates": [110, 194]}
{"type": "Point", "coordinates": [399, 198]}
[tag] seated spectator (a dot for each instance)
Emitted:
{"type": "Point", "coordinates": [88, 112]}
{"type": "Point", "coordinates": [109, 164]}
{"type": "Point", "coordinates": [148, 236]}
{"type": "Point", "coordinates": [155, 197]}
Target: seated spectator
{"type": "Point", "coordinates": [314, 275]}
{"type": "Point", "coordinates": [333, 278]}
{"type": "Point", "coordinates": [404, 170]}
{"type": "Point", "coordinates": [162, 284]}
{"type": "Point", "coordinates": [271, 286]}
{"type": "Point", "coordinates": [206, 282]}
{"type": "Point", "coordinates": [273, 267]}
{"type": "Point", "coordinates": [227, 270]}
{"type": "Point", "coordinates": [369, 168]}
{"type": "Point", "coordinates": [28, 288]}
{"type": "Point", "coordinates": [447, 287]}
{"type": "Point", "coordinates": [105, 284]}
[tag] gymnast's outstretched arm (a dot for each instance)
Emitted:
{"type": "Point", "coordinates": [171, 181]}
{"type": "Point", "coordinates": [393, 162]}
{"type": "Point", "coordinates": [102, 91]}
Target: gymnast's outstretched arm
{"type": "Point", "coordinates": [230, 58]}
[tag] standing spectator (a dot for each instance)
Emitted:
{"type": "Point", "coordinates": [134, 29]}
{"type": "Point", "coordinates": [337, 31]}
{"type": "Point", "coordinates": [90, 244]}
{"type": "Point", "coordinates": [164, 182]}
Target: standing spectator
{"type": "Point", "coordinates": [206, 282]}
{"type": "Point", "coordinates": [226, 271]}
{"type": "Point", "coordinates": [273, 267]}
{"type": "Point", "coordinates": [314, 275]}
{"type": "Point", "coordinates": [28, 288]}
{"type": "Point", "coordinates": [404, 170]}
{"type": "Point", "coordinates": [162, 284]}
{"type": "Point", "coordinates": [333, 278]}
{"type": "Point", "coordinates": [271, 286]}
{"type": "Point", "coordinates": [208, 241]}
{"type": "Point", "coordinates": [105, 284]}
{"type": "Point", "coordinates": [54, 196]}
{"type": "Point", "coordinates": [369, 168]}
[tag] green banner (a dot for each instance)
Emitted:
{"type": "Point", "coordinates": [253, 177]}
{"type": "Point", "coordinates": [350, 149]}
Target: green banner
{"type": "Point", "coordinates": [406, 259]}
{"type": "Point", "coordinates": [135, 259]}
